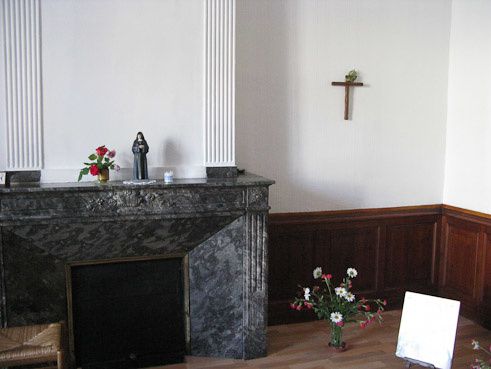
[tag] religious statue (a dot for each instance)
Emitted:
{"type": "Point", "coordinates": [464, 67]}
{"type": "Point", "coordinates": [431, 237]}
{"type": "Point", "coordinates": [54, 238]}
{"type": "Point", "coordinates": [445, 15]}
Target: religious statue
{"type": "Point", "coordinates": [140, 149]}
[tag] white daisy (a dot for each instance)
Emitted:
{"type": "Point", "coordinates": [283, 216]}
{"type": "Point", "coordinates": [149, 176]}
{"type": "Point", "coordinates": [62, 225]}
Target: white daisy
{"type": "Point", "coordinates": [317, 272]}
{"type": "Point", "coordinates": [336, 317]}
{"type": "Point", "coordinates": [340, 291]}
{"type": "Point", "coordinates": [475, 345]}
{"type": "Point", "coordinates": [352, 273]}
{"type": "Point", "coordinates": [350, 297]}
{"type": "Point", "coordinates": [306, 293]}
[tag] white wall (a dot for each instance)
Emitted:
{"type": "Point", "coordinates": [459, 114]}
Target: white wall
{"type": "Point", "coordinates": [468, 155]}
{"type": "Point", "coordinates": [290, 120]}
{"type": "Point", "coordinates": [115, 67]}
{"type": "Point", "coordinates": [3, 111]}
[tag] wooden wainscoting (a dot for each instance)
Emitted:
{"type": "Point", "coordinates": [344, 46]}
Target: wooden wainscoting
{"type": "Point", "coordinates": [465, 267]}
{"type": "Point", "coordinates": [393, 249]}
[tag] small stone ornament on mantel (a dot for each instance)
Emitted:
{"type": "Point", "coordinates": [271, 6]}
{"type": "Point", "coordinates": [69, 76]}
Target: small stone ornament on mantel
{"type": "Point", "coordinates": [168, 176]}
{"type": "Point", "coordinates": [349, 81]}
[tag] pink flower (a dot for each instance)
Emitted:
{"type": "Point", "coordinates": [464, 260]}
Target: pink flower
{"type": "Point", "coordinates": [299, 307]}
{"type": "Point", "coordinates": [340, 324]}
{"type": "Point", "coordinates": [111, 154]}
{"type": "Point", "coordinates": [326, 276]}
{"type": "Point", "coordinates": [367, 308]}
{"type": "Point", "coordinates": [363, 325]}
{"type": "Point", "coordinates": [384, 302]}
{"type": "Point", "coordinates": [292, 306]}
{"type": "Point", "coordinates": [308, 305]}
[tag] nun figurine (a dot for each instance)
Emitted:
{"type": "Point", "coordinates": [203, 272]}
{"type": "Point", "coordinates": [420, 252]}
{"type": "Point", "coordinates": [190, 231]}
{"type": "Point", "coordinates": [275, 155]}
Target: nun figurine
{"type": "Point", "coordinates": [140, 149]}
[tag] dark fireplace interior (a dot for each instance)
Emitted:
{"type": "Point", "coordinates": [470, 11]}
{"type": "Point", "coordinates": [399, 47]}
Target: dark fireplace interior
{"type": "Point", "coordinates": [128, 313]}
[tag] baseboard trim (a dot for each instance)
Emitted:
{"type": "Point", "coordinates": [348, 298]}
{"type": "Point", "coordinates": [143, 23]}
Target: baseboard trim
{"type": "Point", "coordinates": [466, 214]}
{"type": "Point", "coordinates": [355, 214]}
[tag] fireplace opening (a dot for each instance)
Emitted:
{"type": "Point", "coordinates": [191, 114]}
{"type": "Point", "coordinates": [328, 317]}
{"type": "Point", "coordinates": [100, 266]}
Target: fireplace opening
{"type": "Point", "coordinates": [128, 313]}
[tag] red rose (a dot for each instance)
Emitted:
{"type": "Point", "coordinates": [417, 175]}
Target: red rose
{"type": "Point", "coordinates": [329, 276]}
{"type": "Point", "coordinates": [299, 307]}
{"type": "Point", "coordinates": [367, 308]}
{"type": "Point", "coordinates": [308, 305]}
{"type": "Point", "coordinates": [101, 150]}
{"type": "Point", "coordinates": [94, 170]}
{"type": "Point", "coordinates": [363, 325]}
{"type": "Point", "coordinates": [292, 306]}
{"type": "Point", "coordinates": [340, 324]}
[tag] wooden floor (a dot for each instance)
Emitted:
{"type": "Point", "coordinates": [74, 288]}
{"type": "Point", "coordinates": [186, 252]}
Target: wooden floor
{"type": "Point", "coordinates": [304, 345]}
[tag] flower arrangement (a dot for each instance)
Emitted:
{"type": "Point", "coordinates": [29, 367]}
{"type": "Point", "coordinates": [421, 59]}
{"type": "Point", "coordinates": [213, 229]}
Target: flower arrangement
{"type": "Point", "coordinates": [338, 305]}
{"type": "Point", "coordinates": [478, 363]}
{"type": "Point", "coordinates": [101, 162]}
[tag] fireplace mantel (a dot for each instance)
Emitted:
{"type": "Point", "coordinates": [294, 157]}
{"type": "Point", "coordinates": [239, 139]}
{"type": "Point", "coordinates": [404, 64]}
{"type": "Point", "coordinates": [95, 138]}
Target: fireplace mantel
{"type": "Point", "coordinates": [88, 200]}
{"type": "Point", "coordinates": [220, 223]}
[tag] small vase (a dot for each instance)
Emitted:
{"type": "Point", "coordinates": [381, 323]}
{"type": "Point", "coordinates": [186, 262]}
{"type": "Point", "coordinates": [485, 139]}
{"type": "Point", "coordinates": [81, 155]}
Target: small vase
{"type": "Point", "coordinates": [103, 175]}
{"type": "Point", "coordinates": [336, 338]}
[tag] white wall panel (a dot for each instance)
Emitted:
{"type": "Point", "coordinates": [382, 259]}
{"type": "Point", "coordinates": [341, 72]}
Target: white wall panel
{"type": "Point", "coordinates": [219, 121]}
{"type": "Point", "coordinates": [23, 84]}
{"type": "Point", "coordinates": [468, 154]}
{"type": "Point", "coordinates": [289, 118]}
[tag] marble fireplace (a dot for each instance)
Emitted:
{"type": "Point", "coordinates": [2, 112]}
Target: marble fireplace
{"type": "Point", "coordinates": [220, 224]}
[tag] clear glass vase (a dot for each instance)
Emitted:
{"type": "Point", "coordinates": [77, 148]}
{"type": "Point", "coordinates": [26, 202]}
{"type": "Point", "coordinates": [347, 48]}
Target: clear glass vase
{"type": "Point", "coordinates": [336, 336]}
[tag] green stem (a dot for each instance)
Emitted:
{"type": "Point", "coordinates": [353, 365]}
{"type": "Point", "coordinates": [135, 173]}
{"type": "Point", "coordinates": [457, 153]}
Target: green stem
{"type": "Point", "coordinates": [336, 335]}
{"type": "Point", "coordinates": [329, 287]}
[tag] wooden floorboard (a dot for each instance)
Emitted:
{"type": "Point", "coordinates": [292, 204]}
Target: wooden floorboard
{"type": "Point", "coordinates": [304, 346]}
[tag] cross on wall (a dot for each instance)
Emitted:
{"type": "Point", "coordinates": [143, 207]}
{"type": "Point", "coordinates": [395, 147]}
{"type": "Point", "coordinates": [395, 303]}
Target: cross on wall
{"type": "Point", "coordinates": [347, 86]}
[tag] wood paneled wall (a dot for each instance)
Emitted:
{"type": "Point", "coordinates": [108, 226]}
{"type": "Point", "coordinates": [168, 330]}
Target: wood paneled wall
{"type": "Point", "coordinates": [465, 266]}
{"type": "Point", "coordinates": [394, 250]}
{"type": "Point", "coordinates": [434, 249]}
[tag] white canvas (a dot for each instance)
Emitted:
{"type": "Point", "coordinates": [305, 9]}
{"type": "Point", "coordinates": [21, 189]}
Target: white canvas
{"type": "Point", "coordinates": [427, 330]}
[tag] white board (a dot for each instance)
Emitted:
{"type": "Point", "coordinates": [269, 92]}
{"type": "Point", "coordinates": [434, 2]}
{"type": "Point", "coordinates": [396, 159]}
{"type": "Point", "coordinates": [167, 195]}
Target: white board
{"type": "Point", "coordinates": [427, 330]}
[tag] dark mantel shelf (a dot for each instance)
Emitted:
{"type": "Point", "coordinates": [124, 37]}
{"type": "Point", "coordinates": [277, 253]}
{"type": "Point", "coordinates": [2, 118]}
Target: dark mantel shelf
{"type": "Point", "coordinates": [87, 201]}
{"type": "Point", "coordinates": [245, 180]}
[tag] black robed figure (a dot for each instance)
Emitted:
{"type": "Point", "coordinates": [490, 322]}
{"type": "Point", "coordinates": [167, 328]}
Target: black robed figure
{"type": "Point", "coordinates": [140, 149]}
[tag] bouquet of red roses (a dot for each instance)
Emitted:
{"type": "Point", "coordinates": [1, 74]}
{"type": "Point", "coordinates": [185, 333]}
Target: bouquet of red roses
{"type": "Point", "coordinates": [101, 160]}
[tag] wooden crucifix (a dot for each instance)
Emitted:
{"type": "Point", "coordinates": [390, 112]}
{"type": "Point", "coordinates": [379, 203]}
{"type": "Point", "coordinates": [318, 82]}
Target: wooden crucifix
{"type": "Point", "coordinates": [349, 82]}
